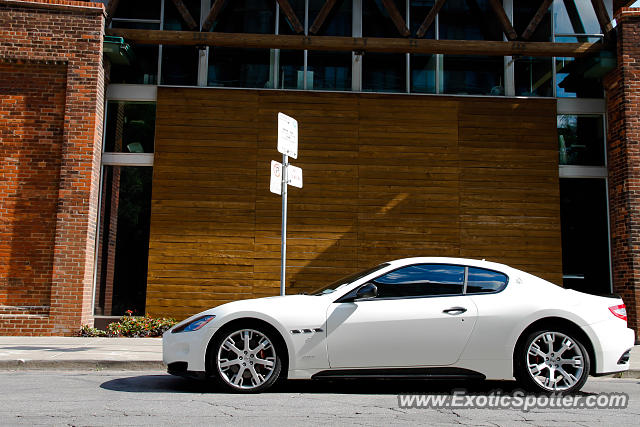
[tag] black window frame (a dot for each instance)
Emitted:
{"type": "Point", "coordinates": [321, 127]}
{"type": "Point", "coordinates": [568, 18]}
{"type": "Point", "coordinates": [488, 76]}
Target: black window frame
{"type": "Point", "coordinates": [466, 281]}
{"type": "Point", "coordinates": [349, 296]}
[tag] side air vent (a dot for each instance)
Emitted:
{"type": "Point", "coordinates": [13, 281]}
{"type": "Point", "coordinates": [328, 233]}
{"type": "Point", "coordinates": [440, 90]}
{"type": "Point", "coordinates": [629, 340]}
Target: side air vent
{"type": "Point", "coordinates": [624, 358]}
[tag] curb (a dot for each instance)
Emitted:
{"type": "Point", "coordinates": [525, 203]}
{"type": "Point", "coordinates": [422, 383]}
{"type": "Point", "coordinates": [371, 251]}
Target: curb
{"type": "Point", "coordinates": [142, 365]}
{"type": "Point", "coordinates": [82, 365]}
{"type": "Point", "coordinates": [631, 373]}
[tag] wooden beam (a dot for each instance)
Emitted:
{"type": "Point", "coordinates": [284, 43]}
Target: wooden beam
{"type": "Point", "coordinates": [503, 19]}
{"type": "Point", "coordinates": [395, 16]}
{"type": "Point", "coordinates": [215, 10]}
{"type": "Point", "coordinates": [428, 20]}
{"type": "Point", "coordinates": [322, 15]}
{"type": "Point", "coordinates": [358, 44]}
{"type": "Point", "coordinates": [186, 15]}
{"type": "Point", "coordinates": [291, 16]}
{"type": "Point", "coordinates": [574, 16]}
{"type": "Point", "coordinates": [111, 9]}
{"type": "Point", "coordinates": [537, 18]}
{"type": "Point", "coordinates": [602, 15]}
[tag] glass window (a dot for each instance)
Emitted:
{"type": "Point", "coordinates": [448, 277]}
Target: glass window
{"type": "Point", "coordinates": [339, 20]}
{"type": "Point", "coordinates": [468, 20]}
{"type": "Point", "coordinates": [174, 21]}
{"type": "Point", "coordinates": [473, 75]}
{"type": "Point", "coordinates": [575, 17]}
{"type": "Point", "coordinates": [329, 70]}
{"type": "Point", "coordinates": [376, 21]}
{"type": "Point", "coordinates": [230, 67]}
{"type": "Point", "coordinates": [247, 16]}
{"type": "Point", "coordinates": [140, 63]}
{"type": "Point", "coordinates": [576, 78]}
{"type": "Point", "coordinates": [423, 73]}
{"type": "Point", "coordinates": [523, 12]}
{"type": "Point", "coordinates": [423, 67]}
{"type": "Point", "coordinates": [285, 26]}
{"type": "Point", "coordinates": [421, 280]}
{"type": "Point", "coordinates": [180, 65]}
{"type": "Point", "coordinates": [585, 235]}
{"type": "Point", "coordinates": [533, 76]}
{"type": "Point", "coordinates": [292, 70]}
{"type": "Point", "coordinates": [419, 10]}
{"type": "Point", "coordinates": [480, 280]}
{"type": "Point", "coordinates": [250, 68]}
{"type": "Point", "coordinates": [139, 9]}
{"type": "Point", "coordinates": [123, 248]}
{"type": "Point", "coordinates": [382, 72]}
{"type": "Point", "coordinates": [142, 69]}
{"type": "Point", "coordinates": [130, 127]}
{"type": "Point", "coordinates": [581, 140]}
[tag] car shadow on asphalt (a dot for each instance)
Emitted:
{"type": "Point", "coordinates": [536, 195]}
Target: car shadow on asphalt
{"type": "Point", "coordinates": [172, 384]}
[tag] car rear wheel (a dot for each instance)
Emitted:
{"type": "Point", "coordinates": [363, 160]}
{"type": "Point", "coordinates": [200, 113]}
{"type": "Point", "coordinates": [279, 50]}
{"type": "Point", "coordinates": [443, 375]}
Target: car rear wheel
{"type": "Point", "coordinates": [552, 361]}
{"type": "Point", "coordinates": [246, 360]}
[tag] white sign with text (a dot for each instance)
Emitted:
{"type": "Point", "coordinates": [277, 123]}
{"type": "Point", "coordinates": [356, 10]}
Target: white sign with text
{"type": "Point", "coordinates": [287, 135]}
{"type": "Point", "coordinates": [294, 175]}
{"type": "Point", "coordinates": [275, 185]}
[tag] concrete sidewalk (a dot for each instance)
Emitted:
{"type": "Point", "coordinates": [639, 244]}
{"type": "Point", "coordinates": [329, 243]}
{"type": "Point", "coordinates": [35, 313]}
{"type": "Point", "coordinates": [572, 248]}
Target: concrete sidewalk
{"type": "Point", "coordinates": [22, 353]}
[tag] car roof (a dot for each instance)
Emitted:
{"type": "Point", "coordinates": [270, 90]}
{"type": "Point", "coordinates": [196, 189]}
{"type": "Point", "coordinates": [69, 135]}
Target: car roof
{"type": "Point", "coordinates": [450, 260]}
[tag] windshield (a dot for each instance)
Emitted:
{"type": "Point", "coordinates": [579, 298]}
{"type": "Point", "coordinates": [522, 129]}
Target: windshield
{"type": "Point", "coordinates": [346, 280]}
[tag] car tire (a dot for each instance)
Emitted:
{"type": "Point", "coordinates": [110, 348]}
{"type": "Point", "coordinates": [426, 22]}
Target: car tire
{"type": "Point", "coordinates": [245, 359]}
{"type": "Point", "coordinates": [552, 360]}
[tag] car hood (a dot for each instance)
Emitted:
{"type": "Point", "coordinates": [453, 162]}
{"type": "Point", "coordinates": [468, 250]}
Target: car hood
{"type": "Point", "coordinates": [272, 306]}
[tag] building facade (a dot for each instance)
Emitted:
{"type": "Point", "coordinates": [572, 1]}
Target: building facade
{"type": "Point", "coordinates": [526, 160]}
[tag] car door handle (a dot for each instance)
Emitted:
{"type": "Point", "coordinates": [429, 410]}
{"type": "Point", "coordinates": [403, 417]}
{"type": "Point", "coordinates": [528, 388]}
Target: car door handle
{"type": "Point", "coordinates": [455, 310]}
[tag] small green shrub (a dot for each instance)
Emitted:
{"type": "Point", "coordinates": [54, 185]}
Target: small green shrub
{"type": "Point", "coordinates": [88, 331]}
{"type": "Point", "coordinates": [130, 326]}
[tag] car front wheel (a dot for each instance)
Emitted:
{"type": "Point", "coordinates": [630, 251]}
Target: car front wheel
{"type": "Point", "coordinates": [246, 360]}
{"type": "Point", "coordinates": [552, 361]}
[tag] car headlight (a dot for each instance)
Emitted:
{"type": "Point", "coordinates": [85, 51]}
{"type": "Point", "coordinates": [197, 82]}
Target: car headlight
{"type": "Point", "coordinates": [194, 325]}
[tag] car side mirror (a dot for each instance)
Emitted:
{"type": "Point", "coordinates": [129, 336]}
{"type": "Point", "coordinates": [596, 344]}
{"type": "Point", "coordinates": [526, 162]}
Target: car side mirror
{"type": "Point", "coordinates": [367, 291]}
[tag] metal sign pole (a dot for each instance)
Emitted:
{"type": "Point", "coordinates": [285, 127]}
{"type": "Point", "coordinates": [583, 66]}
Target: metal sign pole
{"type": "Point", "coordinates": [283, 245]}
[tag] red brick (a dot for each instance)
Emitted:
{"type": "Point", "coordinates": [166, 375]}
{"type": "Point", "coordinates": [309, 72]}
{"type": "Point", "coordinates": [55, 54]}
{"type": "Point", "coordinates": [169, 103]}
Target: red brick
{"type": "Point", "coordinates": [623, 114]}
{"type": "Point", "coordinates": [51, 107]}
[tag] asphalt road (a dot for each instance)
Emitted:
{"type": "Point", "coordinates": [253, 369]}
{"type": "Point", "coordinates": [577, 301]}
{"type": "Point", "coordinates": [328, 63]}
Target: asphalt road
{"type": "Point", "coordinates": [155, 398]}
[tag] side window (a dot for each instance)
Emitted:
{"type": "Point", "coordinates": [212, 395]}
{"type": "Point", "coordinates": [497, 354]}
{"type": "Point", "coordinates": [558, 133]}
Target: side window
{"type": "Point", "coordinates": [421, 280]}
{"type": "Point", "coordinates": [482, 281]}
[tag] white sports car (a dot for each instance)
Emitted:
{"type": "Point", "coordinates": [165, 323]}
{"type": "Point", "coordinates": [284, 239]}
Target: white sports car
{"type": "Point", "coordinates": [410, 318]}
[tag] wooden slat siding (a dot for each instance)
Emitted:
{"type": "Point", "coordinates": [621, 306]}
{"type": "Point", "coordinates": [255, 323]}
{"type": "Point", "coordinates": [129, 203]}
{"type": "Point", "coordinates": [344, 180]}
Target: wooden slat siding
{"type": "Point", "coordinates": [385, 176]}
{"type": "Point", "coordinates": [408, 187]}
{"type": "Point", "coordinates": [329, 162]}
{"type": "Point", "coordinates": [509, 191]}
{"type": "Point", "coordinates": [203, 202]}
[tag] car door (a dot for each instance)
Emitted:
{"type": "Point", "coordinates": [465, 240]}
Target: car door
{"type": "Point", "coordinates": [420, 317]}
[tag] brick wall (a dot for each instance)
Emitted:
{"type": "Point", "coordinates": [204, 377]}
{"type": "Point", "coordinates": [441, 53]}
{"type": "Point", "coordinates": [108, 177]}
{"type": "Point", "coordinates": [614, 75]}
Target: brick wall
{"type": "Point", "coordinates": [623, 147]}
{"type": "Point", "coordinates": [32, 115]}
{"type": "Point", "coordinates": [51, 97]}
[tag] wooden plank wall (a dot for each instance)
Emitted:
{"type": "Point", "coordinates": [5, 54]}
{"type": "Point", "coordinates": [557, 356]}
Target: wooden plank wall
{"type": "Point", "coordinates": [385, 176]}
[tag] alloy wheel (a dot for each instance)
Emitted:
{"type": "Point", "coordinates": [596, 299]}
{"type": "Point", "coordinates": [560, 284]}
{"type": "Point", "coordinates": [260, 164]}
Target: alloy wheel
{"type": "Point", "coordinates": [246, 359]}
{"type": "Point", "coordinates": [555, 361]}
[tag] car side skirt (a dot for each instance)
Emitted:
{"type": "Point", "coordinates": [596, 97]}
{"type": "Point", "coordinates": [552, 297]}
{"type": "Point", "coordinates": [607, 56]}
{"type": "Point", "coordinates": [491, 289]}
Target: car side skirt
{"type": "Point", "coordinates": [400, 373]}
